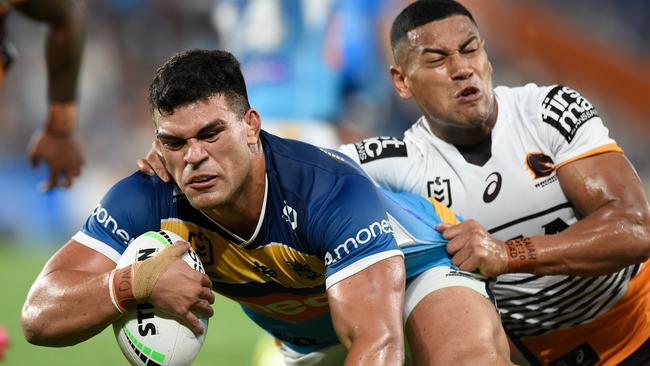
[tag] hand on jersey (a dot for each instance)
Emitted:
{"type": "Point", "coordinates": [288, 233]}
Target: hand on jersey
{"type": "Point", "coordinates": [472, 248]}
{"type": "Point", "coordinates": [153, 163]}
{"type": "Point", "coordinates": [58, 146]}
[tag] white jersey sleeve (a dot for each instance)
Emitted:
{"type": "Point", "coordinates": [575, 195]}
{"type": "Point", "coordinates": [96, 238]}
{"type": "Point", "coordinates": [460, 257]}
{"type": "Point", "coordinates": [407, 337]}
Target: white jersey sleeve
{"type": "Point", "coordinates": [391, 162]}
{"type": "Point", "coordinates": [566, 122]}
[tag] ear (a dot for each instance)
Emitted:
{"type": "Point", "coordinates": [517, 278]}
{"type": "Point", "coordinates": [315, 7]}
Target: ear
{"type": "Point", "coordinates": [399, 82]}
{"type": "Point", "coordinates": [253, 125]}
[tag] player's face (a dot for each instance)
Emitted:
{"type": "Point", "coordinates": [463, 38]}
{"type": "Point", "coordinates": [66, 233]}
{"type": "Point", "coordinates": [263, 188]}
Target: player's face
{"type": "Point", "coordinates": [444, 67]}
{"type": "Point", "coordinates": [208, 149]}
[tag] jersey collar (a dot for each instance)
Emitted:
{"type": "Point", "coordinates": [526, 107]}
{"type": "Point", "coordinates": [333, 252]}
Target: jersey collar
{"type": "Point", "coordinates": [236, 238]}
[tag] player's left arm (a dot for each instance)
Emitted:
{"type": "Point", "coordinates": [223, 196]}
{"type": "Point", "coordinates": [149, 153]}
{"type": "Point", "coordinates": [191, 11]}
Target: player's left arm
{"type": "Point", "coordinates": [365, 271]}
{"type": "Point", "coordinates": [613, 225]}
{"type": "Point", "coordinates": [57, 143]}
{"type": "Point", "coordinates": [614, 231]}
{"type": "Point", "coordinates": [367, 313]}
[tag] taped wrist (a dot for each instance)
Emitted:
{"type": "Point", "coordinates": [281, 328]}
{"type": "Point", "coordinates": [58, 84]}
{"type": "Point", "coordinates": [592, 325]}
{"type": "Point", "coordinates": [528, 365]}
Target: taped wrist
{"type": "Point", "coordinates": [522, 255]}
{"type": "Point", "coordinates": [134, 284]}
{"type": "Point", "coordinates": [121, 289]}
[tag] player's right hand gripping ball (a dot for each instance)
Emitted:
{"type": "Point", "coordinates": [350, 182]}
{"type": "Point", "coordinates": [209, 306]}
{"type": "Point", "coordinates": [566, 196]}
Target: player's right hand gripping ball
{"type": "Point", "coordinates": [146, 336]}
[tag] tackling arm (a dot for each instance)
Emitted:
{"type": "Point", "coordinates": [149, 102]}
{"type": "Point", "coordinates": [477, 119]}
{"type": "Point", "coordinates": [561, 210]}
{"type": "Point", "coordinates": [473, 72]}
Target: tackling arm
{"type": "Point", "coordinates": [615, 229]}
{"type": "Point", "coordinates": [367, 313]}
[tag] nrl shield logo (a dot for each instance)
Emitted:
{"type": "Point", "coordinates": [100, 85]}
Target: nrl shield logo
{"type": "Point", "coordinates": [440, 189]}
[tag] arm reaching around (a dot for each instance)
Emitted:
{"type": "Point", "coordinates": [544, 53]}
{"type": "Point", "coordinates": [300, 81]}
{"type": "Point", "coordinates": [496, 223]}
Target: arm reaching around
{"type": "Point", "coordinates": [614, 231]}
{"type": "Point", "coordinates": [153, 163]}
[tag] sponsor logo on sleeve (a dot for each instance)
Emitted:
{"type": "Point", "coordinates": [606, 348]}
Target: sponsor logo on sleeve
{"type": "Point", "coordinates": [566, 110]}
{"type": "Point", "coordinates": [362, 237]}
{"type": "Point", "coordinates": [110, 223]}
{"type": "Point", "coordinates": [379, 148]}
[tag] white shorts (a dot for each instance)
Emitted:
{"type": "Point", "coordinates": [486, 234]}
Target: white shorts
{"type": "Point", "coordinates": [429, 281]}
{"type": "Point", "coordinates": [437, 278]}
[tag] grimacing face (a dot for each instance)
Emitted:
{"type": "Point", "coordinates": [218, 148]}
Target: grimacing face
{"type": "Point", "coordinates": [444, 67]}
{"type": "Point", "coordinates": [205, 146]}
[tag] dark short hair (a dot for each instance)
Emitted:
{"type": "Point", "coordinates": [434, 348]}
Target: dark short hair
{"type": "Point", "coordinates": [197, 75]}
{"type": "Point", "coordinates": [422, 12]}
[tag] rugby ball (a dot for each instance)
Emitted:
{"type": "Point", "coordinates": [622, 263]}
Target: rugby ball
{"type": "Point", "coordinates": [147, 336]}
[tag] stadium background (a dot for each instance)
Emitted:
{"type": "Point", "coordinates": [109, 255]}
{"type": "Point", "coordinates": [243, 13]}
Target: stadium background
{"type": "Point", "coordinates": [598, 47]}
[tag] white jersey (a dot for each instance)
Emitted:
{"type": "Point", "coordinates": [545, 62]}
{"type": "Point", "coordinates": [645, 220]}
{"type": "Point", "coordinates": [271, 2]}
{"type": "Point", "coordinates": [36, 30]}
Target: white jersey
{"type": "Point", "coordinates": [510, 186]}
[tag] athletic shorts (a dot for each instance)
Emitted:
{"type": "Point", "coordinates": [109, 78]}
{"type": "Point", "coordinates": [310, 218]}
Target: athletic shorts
{"type": "Point", "coordinates": [416, 289]}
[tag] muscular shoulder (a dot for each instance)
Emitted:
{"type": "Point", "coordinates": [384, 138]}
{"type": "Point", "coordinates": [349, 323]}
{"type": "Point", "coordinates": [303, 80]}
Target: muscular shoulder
{"type": "Point", "coordinates": [132, 206]}
{"type": "Point", "coordinates": [305, 171]}
{"type": "Point", "coordinates": [136, 189]}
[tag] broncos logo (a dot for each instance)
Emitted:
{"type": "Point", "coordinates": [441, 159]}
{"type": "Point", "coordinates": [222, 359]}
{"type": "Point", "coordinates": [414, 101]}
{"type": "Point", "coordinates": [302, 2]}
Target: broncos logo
{"type": "Point", "coordinates": [539, 164]}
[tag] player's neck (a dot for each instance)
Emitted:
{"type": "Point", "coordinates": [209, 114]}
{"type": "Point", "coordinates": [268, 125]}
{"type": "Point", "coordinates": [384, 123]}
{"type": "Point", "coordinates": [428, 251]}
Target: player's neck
{"type": "Point", "coordinates": [242, 215]}
{"type": "Point", "coordinates": [463, 134]}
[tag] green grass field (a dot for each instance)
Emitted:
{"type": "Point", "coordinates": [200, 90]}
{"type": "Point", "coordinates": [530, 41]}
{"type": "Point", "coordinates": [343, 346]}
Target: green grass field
{"type": "Point", "coordinates": [231, 340]}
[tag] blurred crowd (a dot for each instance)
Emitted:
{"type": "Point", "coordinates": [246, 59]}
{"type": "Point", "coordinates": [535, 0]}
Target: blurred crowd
{"type": "Point", "coordinates": [316, 70]}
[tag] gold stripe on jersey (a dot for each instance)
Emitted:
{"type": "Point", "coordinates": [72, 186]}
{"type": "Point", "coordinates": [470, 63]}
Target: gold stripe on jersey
{"type": "Point", "coordinates": [445, 213]}
{"type": "Point", "coordinates": [628, 321]}
{"type": "Point", "coordinates": [227, 262]}
{"type": "Point", "coordinates": [599, 150]}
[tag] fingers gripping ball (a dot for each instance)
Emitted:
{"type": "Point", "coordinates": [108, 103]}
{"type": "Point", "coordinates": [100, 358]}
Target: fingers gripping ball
{"type": "Point", "coordinates": [134, 283]}
{"type": "Point", "coordinates": [145, 335]}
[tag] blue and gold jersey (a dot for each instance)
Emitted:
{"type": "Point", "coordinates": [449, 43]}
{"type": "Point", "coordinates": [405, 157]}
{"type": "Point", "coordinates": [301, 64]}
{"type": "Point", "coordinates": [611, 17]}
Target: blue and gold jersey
{"type": "Point", "coordinates": [322, 221]}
